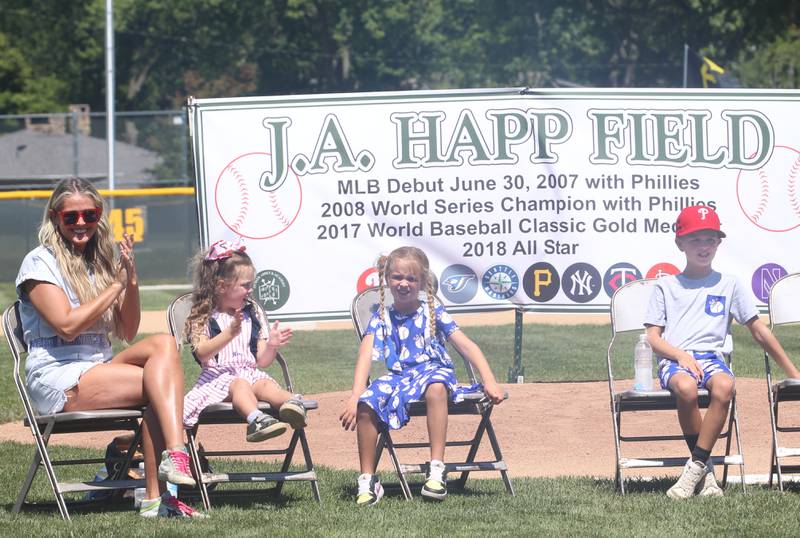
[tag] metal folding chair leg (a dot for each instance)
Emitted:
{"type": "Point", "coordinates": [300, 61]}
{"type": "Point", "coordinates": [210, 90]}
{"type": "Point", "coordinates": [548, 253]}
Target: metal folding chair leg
{"type": "Point", "coordinates": [498, 456]}
{"type": "Point", "coordinates": [385, 442]}
{"type": "Point", "coordinates": [194, 456]}
{"type": "Point", "coordinates": [309, 464]}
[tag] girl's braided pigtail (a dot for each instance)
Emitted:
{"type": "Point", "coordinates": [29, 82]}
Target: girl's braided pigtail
{"type": "Point", "coordinates": [431, 303]}
{"type": "Point", "coordinates": [382, 268]}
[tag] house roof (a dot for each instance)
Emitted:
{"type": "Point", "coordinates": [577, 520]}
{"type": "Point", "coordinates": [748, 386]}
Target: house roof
{"type": "Point", "coordinates": [32, 159]}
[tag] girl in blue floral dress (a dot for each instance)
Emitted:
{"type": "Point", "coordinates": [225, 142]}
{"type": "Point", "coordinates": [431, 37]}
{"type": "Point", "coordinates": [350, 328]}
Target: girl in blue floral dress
{"type": "Point", "coordinates": [409, 336]}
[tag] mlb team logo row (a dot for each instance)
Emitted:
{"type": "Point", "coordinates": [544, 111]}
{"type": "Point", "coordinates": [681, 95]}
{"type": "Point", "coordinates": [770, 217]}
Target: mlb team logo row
{"type": "Point", "coordinates": [580, 282]}
{"type": "Point", "coordinates": [541, 282]}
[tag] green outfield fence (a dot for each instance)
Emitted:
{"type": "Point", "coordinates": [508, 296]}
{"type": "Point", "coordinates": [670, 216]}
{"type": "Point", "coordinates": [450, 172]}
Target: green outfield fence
{"type": "Point", "coordinates": [163, 221]}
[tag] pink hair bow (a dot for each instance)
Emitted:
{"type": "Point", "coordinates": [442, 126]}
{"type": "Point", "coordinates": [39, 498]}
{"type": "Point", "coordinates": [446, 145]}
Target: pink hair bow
{"type": "Point", "coordinates": [222, 249]}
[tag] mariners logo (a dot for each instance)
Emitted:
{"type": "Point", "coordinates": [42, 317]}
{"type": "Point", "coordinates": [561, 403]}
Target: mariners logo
{"type": "Point", "coordinates": [459, 283]}
{"type": "Point", "coordinates": [271, 289]}
{"type": "Point", "coordinates": [500, 282]}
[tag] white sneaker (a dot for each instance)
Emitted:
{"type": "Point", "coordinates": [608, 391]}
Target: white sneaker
{"type": "Point", "coordinates": [708, 487]}
{"type": "Point", "coordinates": [693, 473]}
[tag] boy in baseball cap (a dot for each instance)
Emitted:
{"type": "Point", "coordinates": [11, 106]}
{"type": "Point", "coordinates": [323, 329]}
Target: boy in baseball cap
{"type": "Point", "coordinates": [688, 322]}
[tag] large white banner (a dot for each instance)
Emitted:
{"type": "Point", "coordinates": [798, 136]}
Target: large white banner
{"type": "Point", "coordinates": [549, 200]}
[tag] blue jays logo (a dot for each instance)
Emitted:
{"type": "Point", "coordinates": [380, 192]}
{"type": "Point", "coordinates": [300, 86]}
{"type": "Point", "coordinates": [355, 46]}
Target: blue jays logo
{"type": "Point", "coordinates": [459, 283]}
{"type": "Point", "coordinates": [715, 305]}
{"type": "Point", "coordinates": [456, 283]}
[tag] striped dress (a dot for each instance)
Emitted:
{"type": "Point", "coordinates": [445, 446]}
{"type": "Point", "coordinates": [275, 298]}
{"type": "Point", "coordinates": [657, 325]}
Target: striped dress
{"type": "Point", "coordinates": [233, 361]}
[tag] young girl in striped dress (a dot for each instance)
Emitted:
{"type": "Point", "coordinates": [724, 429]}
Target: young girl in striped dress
{"type": "Point", "coordinates": [231, 342]}
{"type": "Point", "coordinates": [409, 336]}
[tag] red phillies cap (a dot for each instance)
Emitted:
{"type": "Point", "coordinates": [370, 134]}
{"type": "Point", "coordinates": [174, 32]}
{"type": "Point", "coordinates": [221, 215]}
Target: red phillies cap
{"type": "Point", "coordinates": [697, 218]}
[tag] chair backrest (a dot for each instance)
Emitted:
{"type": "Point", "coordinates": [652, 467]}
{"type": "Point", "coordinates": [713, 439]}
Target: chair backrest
{"type": "Point", "coordinates": [628, 308]}
{"type": "Point", "coordinates": [629, 305]}
{"type": "Point", "coordinates": [784, 303]}
{"type": "Point", "coordinates": [366, 303]}
{"type": "Point", "coordinates": [12, 329]}
{"type": "Point", "coordinates": [178, 310]}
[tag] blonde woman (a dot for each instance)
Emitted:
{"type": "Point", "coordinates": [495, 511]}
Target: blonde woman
{"type": "Point", "coordinates": [74, 291]}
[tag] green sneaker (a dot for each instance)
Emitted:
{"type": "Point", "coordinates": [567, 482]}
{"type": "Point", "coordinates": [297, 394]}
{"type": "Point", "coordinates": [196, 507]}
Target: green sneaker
{"type": "Point", "coordinates": [263, 428]}
{"type": "Point", "coordinates": [370, 490]}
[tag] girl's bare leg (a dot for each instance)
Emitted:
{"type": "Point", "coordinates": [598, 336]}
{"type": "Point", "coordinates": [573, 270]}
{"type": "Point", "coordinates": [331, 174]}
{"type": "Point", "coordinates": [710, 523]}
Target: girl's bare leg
{"type": "Point", "coordinates": [267, 390]}
{"type": "Point", "coordinates": [436, 399]}
{"type": "Point", "coordinates": [367, 435]}
{"type": "Point", "coordinates": [241, 395]}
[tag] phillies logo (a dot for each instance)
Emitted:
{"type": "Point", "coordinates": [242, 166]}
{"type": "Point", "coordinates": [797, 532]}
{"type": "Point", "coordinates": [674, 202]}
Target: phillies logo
{"type": "Point", "coordinates": [703, 211]}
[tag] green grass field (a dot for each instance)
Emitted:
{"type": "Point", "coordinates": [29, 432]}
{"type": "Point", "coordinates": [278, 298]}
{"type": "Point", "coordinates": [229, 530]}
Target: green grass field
{"type": "Point", "coordinates": [541, 507]}
{"type": "Point", "coordinates": [322, 361]}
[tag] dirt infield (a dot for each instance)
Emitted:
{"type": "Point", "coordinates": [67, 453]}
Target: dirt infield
{"type": "Point", "coordinates": [544, 429]}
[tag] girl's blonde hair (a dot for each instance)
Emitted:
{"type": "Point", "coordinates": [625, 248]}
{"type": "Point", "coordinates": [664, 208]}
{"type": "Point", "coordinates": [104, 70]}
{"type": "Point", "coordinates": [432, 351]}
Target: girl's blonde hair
{"type": "Point", "coordinates": [207, 275]}
{"type": "Point", "coordinates": [90, 272]}
{"type": "Point", "coordinates": [418, 257]}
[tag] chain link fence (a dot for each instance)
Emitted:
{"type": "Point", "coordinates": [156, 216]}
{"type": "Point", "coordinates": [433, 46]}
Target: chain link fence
{"type": "Point", "coordinates": [151, 148]}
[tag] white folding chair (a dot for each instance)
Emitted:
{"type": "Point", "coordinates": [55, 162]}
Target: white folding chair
{"type": "Point", "coordinates": [364, 305]}
{"type": "Point", "coordinates": [44, 426]}
{"type": "Point", "coordinates": [224, 413]}
{"type": "Point", "coordinates": [784, 309]}
{"type": "Point", "coordinates": [628, 307]}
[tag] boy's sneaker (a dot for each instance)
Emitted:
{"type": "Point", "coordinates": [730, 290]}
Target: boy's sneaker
{"type": "Point", "coordinates": [174, 467]}
{"type": "Point", "coordinates": [708, 487]}
{"type": "Point", "coordinates": [263, 428]}
{"type": "Point", "coordinates": [435, 486]}
{"type": "Point", "coordinates": [693, 473]}
{"type": "Point", "coordinates": [293, 412]}
{"type": "Point", "coordinates": [370, 490]}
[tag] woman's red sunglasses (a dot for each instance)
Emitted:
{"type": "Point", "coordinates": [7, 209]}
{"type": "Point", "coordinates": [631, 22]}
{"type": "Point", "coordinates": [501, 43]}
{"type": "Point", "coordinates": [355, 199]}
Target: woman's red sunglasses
{"type": "Point", "coordinates": [89, 216]}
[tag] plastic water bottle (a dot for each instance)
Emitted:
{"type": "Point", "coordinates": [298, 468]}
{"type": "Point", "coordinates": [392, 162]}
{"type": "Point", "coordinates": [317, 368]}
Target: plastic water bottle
{"type": "Point", "coordinates": [643, 364]}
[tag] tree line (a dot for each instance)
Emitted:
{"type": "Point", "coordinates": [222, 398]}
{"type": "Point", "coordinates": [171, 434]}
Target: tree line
{"type": "Point", "coordinates": [52, 51]}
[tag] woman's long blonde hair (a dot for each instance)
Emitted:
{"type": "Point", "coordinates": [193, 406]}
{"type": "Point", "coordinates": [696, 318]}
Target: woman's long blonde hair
{"type": "Point", "coordinates": [417, 256]}
{"type": "Point", "coordinates": [90, 272]}
{"type": "Point", "coordinates": [207, 275]}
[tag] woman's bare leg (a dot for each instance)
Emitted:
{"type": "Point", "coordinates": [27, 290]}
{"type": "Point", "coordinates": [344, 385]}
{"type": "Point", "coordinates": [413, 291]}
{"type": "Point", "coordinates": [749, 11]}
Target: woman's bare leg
{"type": "Point", "coordinates": [147, 372]}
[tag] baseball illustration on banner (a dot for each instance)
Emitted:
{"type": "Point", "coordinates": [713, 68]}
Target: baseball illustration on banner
{"type": "Point", "coordinates": [769, 196]}
{"type": "Point", "coordinates": [246, 207]}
